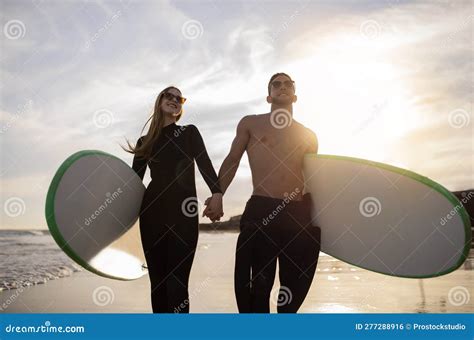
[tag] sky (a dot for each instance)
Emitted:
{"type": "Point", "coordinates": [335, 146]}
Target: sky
{"type": "Point", "coordinates": [389, 81]}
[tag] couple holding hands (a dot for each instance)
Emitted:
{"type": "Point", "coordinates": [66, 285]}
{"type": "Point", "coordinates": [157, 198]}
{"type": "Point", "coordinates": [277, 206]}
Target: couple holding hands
{"type": "Point", "coordinates": [276, 222]}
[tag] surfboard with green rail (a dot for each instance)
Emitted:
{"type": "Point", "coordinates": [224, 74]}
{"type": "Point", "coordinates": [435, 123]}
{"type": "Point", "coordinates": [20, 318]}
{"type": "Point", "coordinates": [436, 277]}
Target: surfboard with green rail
{"type": "Point", "coordinates": [386, 219]}
{"type": "Point", "coordinates": [92, 210]}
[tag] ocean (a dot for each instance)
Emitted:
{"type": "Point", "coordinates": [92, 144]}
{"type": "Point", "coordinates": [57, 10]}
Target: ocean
{"type": "Point", "coordinates": [31, 257]}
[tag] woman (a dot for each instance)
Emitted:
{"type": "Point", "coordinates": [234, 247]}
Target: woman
{"type": "Point", "coordinates": [168, 213]}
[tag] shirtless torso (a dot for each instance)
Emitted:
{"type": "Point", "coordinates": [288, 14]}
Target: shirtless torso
{"type": "Point", "coordinates": [276, 155]}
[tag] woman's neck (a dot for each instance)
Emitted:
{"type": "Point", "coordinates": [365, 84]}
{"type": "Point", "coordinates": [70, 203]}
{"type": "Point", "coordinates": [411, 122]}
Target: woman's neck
{"type": "Point", "coordinates": [169, 121]}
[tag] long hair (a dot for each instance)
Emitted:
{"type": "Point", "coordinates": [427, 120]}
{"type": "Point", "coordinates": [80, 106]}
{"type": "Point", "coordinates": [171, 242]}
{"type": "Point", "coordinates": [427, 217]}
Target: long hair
{"type": "Point", "coordinates": [157, 121]}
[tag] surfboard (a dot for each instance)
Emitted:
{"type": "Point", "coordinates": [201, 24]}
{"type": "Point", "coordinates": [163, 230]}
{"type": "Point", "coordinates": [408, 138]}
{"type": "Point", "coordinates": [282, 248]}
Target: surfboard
{"type": "Point", "coordinates": [92, 209]}
{"type": "Point", "coordinates": [384, 218]}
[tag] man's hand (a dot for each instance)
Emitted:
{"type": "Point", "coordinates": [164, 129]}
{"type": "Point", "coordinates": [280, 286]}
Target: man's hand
{"type": "Point", "coordinates": [213, 209]}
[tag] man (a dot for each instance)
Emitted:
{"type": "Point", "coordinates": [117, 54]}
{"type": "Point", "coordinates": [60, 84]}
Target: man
{"type": "Point", "coordinates": [276, 223]}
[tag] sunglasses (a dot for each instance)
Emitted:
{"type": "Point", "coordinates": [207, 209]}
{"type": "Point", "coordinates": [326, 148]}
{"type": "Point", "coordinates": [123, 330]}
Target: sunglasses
{"type": "Point", "coordinates": [174, 97]}
{"type": "Point", "coordinates": [288, 83]}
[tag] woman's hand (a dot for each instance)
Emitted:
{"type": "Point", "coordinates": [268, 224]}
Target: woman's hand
{"type": "Point", "coordinates": [213, 209]}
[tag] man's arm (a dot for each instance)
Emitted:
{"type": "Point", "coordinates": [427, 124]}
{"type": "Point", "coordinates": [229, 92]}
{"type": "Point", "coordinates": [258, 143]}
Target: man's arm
{"type": "Point", "coordinates": [231, 162]}
{"type": "Point", "coordinates": [313, 146]}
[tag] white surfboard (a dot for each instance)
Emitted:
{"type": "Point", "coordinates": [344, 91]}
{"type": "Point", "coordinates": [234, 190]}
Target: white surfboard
{"type": "Point", "coordinates": [92, 210]}
{"type": "Point", "coordinates": [386, 219]}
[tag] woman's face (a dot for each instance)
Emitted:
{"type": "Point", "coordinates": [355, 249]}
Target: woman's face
{"type": "Point", "coordinates": [171, 103]}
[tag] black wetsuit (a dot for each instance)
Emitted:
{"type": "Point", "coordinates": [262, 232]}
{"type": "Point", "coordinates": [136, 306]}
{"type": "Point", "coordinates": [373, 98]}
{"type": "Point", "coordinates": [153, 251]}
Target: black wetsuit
{"type": "Point", "coordinates": [287, 235]}
{"type": "Point", "coordinates": [169, 213]}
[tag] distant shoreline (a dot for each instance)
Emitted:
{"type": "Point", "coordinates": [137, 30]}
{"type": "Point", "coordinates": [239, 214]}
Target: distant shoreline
{"type": "Point", "coordinates": [232, 225]}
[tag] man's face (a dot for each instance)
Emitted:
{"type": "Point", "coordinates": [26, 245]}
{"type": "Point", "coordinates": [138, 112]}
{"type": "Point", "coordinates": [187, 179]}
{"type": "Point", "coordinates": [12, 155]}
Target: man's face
{"type": "Point", "coordinates": [282, 91]}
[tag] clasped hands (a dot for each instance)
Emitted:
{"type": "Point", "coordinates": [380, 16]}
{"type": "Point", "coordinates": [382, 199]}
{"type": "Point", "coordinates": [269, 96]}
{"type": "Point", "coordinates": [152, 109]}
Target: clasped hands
{"type": "Point", "coordinates": [213, 209]}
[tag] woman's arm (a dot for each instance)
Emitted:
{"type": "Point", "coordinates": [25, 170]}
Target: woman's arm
{"type": "Point", "coordinates": [214, 204]}
{"type": "Point", "coordinates": [203, 161]}
{"type": "Point", "coordinates": [139, 164]}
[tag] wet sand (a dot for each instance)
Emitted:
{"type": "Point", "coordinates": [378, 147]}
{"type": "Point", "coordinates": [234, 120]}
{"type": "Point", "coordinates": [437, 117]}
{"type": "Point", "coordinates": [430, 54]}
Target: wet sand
{"type": "Point", "coordinates": [337, 288]}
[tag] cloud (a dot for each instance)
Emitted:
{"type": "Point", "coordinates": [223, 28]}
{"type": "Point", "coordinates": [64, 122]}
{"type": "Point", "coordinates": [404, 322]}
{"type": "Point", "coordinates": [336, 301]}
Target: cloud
{"type": "Point", "coordinates": [85, 76]}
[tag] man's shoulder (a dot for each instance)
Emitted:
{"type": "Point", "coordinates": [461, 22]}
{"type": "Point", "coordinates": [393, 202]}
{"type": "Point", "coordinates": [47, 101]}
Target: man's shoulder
{"type": "Point", "coordinates": [248, 117]}
{"type": "Point", "coordinates": [246, 120]}
{"type": "Point", "coordinates": [306, 133]}
{"type": "Point", "coordinates": [303, 127]}
{"type": "Point", "coordinates": [254, 117]}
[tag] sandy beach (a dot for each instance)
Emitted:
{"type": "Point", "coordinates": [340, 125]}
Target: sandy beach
{"type": "Point", "coordinates": [337, 288]}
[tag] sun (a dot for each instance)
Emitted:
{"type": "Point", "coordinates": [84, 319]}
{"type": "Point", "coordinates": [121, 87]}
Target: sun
{"type": "Point", "coordinates": [352, 94]}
